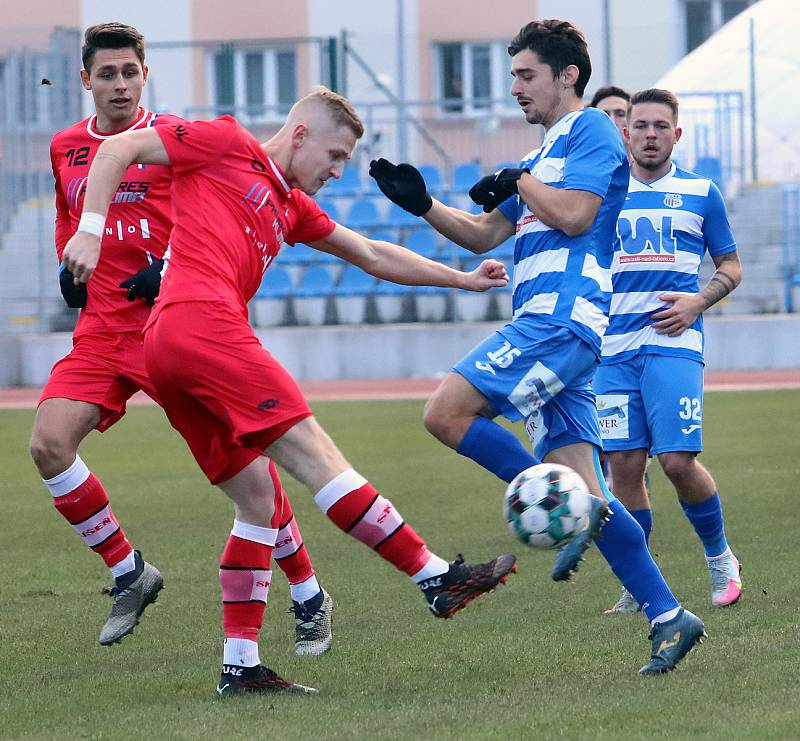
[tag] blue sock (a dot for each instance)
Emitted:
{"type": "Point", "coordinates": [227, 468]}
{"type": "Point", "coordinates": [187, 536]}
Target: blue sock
{"type": "Point", "coordinates": [622, 543]}
{"type": "Point", "coordinates": [645, 519]}
{"type": "Point", "coordinates": [706, 518]}
{"type": "Point", "coordinates": [496, 449]}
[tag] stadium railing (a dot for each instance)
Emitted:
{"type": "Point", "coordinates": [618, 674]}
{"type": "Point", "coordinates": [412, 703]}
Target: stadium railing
{"type": "Point", "coordinates": [791, 244]}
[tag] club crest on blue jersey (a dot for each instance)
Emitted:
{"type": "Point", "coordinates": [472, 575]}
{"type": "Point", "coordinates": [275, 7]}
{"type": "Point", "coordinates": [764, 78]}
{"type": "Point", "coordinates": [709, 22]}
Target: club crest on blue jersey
{"type": "Point", "coordinates": [673, 200]}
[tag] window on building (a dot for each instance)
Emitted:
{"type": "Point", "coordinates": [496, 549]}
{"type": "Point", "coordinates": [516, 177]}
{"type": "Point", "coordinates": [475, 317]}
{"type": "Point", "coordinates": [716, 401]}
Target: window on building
{"type": "Point", "coordinates": [224, 98]}
{"type": "Point", "coordinates": [705, 17]}
{"type": "Point", "coordinates": [698, 23]}
{"type": "Point", "coordinates": [732, 8]}
{"type": "Point", "coordinates": [472, 77]}
{"type": "Point", "coordinates": [451, 77]}
{"type": "Point", "coordinates": [258, 84]}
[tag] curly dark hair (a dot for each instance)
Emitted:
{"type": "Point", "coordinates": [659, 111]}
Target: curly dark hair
{"type": "Point", "coordinates": [558, 45]}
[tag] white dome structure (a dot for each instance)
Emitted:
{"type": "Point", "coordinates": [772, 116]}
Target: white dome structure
{"type": "Point", "coordinates": [723, 64]}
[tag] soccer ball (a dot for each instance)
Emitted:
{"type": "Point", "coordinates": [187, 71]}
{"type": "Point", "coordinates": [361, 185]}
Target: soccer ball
{"type": "Point", "coordinates": [546, 505]}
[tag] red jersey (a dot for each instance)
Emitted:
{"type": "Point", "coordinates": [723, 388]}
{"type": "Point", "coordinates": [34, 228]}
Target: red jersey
{"type": "Point", "coordinates": [137, 227]}
{"type": "Point", "coordinates": [232, 211]}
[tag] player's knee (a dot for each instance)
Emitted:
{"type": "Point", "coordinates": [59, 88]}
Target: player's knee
{"type": "Point", "coordinates": [627, 471]}
{"type": "Point", "coordinates": [676, 466]}
{"type": "Point", "coordinates": [437, 420]}
{"type": "Point", "coordinates": [50, 455]}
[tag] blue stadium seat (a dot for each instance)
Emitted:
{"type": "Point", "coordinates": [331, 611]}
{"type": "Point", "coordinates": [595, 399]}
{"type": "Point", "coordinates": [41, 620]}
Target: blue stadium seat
{"type": "Point", "coordinates": [433, 178]}
{"type": "Point", "coordinates": [710, 167]}
{"type": "Point", "coordinates": [465, 176]}
{"type": "Point", "coordinates": [298, 254]}
{"type": "Point", "coordinates": [363, 215]}
{"type": "Point", "coordinates": [387, 288]}
{"type": "Point", "coordinates": [391, 300]}
{"type": "Point", "coordinates": [277, 283]}
{"type": "Point", "coordinates": [351, 295]}
{"type": "Point", "coordinates": [504, 165]}
{"type": "Point", "coordinates": [398, 217]}
{"type": "Point", "coordinates": [355, 282]}
{"type": "Point", "coordinates": [504, 250]}
{"type": "Point", "coordinates": [315, 282]}
{"type": "Point", "coordinates": [348, 185]}
{"type": "Point", "coordinates": [423, 242]}
{"type": "Point", "coordinates": [330, 208]}
{"type": "Point", "coordinates": [385, 235]}
{"type": "Point", "coordinates": [268, 308]}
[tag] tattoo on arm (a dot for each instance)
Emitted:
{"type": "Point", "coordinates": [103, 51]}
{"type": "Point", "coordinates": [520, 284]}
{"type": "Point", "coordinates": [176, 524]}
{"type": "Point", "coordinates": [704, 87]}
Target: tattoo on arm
{"type": "Point", "coordinates": [720, 285]}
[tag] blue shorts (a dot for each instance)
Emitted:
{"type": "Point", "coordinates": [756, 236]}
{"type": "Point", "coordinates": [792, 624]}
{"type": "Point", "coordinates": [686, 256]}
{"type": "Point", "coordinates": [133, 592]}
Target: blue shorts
{"type": "Point", "coordinates": [540, 372]}
{"type": "Point", "coordinates": [653, 402]}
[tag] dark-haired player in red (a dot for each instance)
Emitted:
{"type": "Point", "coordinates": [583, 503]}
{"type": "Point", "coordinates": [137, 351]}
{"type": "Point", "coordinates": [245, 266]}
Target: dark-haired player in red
{"type": "Point", "coordinates": [235, 203]}
{"type": "Point", "coordinates": [88, 389]}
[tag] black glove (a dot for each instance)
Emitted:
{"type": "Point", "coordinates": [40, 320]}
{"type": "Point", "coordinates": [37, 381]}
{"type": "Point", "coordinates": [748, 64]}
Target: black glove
{"type": "Point", "coordinates": [75, 296]}
{"type": "Point", "coordinates": [492, 190]}
{"type": "Point", "coordinates": [402, 184]}
{"type": "Point", "coordinates": [145, 284]}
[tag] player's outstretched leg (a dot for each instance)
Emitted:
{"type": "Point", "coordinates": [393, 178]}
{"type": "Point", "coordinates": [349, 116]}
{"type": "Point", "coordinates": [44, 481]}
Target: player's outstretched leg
{"type": "Point", "coordinates": [463, 582]}
{"type": "Point", "coordinates": [311, 604]}
{"type": "Point", "coordinates": [237, 680]}
{"type": "Point", "coordinates": [245, 577]}
{"type": "Point", "coordinates": [672, 640]}
{"type": "Point", "coordinates": [354, 505]}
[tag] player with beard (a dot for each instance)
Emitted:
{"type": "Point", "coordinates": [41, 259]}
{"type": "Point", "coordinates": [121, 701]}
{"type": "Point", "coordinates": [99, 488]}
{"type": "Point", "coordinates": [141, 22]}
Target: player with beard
{"type": "Point", "coordinates": [562, 203]}
{"type": "Point", "coordinates": [650, 384]}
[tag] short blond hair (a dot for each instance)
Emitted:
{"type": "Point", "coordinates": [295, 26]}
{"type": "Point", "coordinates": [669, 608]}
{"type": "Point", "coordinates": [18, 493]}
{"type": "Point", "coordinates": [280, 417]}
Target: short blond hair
{"type": "Point", "coordinates": [339, 108]}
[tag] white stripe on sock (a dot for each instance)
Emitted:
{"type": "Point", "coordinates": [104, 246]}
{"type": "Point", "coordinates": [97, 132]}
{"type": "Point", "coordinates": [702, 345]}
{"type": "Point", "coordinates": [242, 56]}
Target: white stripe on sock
{"type": "Point", "coordinates": [665, 617]}
{"type": "Point", "coordinates": [434, 567]}
{"type": "Point", "coordinates": [334, 490]}
{"type": "Point", "coordinates": [305, 590]}
{"type": "Point", "coordinates": [124, 566]}
{"type": "Point", "coordinates": [254, 533]}
{"type": "Point", "coordinates": [69, 480]}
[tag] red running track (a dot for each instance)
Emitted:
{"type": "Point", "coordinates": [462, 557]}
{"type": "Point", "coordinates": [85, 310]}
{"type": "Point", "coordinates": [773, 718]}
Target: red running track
{"type": "Point", "coordinates": [422, 388]}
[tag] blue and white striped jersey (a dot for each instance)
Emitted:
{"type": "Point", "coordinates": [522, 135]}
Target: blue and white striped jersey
{"type": "Point", "coordinates": [663, 231]}
{"type": "Point", "coordinates": [568, 279]}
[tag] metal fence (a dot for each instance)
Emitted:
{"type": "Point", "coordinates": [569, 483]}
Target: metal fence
{"type": "Point", "coordinates": [453, 145]}
{"type": "Point", "coordinates": [791, 244]}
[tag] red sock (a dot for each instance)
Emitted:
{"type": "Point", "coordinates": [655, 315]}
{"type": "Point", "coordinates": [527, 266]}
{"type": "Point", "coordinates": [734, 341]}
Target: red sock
{"type": "Point", "coordinates": [356, 507]}
{"type": "Point", "coordinates": [81, 499]}
{"type": "Point", "coordinates": [245, 577]}
{"type": "Point", "coordinates": [290, 552]}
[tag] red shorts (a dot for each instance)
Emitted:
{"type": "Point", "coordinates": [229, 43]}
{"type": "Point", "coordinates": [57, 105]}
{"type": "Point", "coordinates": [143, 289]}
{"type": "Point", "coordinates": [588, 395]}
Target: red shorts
{"type": "Point", "coordinates": [103, 369]}
{"type": "Point", "coordinates": [220, 388]}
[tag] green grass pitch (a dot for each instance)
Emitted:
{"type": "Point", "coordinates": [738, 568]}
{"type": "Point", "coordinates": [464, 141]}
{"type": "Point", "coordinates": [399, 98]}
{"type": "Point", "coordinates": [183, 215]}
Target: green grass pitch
{"type": "Point", "coordinates": [534, 660]}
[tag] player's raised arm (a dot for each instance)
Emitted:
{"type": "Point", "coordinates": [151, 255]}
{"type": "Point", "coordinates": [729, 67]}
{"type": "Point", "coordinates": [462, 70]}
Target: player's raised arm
{"type": "Point", "coordinates": [391, 262]}
{"type": "Point", "coordinates": [113, 157]}
{"type": "Point", "coordinates": [404, 185]}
